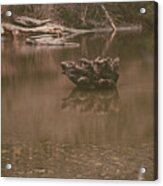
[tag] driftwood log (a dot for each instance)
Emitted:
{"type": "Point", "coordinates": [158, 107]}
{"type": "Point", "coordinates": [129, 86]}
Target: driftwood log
{"type": "Point", "coordinates": [29, 22]}
{"type": "Point", "coordinates": [91, 74]}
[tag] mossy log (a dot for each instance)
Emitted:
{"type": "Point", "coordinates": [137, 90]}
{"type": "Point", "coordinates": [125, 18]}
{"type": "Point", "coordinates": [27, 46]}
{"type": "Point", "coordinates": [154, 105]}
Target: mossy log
{"type": "Point", "coordinates": [91, 74]}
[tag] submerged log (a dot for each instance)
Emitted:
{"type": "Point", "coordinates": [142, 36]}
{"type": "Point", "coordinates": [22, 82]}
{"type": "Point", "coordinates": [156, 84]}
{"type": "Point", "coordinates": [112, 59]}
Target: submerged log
{"type": "Point", "coordinates": [97, 73]}
{"type": "Point", "coordinates": [51, 40]}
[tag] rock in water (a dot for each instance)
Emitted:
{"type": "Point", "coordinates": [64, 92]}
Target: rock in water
{"type": "Point", "coordinates": [97, 73]}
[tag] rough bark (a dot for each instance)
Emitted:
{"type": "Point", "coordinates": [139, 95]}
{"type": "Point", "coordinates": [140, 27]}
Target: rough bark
{"type": "Point", "coordinates": [97, 73]}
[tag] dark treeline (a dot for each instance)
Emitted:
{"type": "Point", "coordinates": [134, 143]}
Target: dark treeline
{"type": "Point", "coordinates": [83, 15]}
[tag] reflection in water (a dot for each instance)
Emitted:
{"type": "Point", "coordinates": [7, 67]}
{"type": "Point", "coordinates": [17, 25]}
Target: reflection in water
{"type": "Point", "coordinates": [100, 101]}
{"type": "Point", "coordinates": [86, 134]}
{"type": "Point", "coordinates": [108, 44]}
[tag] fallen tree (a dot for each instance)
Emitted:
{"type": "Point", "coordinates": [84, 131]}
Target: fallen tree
{"type": "Point", "coordinates": [50, 33]}
{"type": "Point", "coordinates": [30, 22]}
{"type": "Point", "coordinates": [51, 28]}
{"type": "Point", "coordinates": [57, 33]}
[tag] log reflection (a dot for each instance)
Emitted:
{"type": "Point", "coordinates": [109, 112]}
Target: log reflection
{"type": "Point", "coordinates": [96, 101]}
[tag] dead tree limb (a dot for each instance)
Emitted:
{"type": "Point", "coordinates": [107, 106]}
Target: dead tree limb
{"type": "Point", "coordinates": [47, 28]}
{"type": "Point", "coordinates": [109, 18]}
{"type": "Point", "coordinates": [84, 14]}
{"type": "Point", "coordinates": [29, 22]}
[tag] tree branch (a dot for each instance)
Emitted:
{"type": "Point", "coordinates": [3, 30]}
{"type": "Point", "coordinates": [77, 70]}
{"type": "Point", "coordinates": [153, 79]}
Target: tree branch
{"type": "Point", "coordinates": [109, 18]}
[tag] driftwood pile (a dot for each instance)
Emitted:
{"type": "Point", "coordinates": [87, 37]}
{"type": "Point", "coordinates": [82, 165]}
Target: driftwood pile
{"type": "Point", "coordinates": [91, 74]}
{"type": "Point", "coordinates": [40, 32]}
{"type": "Point", "coordinates": [48, 32]}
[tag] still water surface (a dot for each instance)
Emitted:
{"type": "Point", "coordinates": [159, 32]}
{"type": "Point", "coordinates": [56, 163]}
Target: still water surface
{"type": "Point", "coordinates": [50, 129]}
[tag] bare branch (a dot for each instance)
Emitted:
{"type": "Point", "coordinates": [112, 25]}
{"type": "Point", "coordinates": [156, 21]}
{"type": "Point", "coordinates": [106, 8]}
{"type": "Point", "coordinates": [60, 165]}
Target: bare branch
{"type": "Point", "coordinates": [109, 18]}
{"type": "Point", "coordinates": [84, 14]}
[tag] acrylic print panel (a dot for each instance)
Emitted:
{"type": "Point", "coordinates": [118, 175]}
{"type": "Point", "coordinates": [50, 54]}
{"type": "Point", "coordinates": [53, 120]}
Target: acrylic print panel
{"type": "Point", "coordinates": [79, 90]}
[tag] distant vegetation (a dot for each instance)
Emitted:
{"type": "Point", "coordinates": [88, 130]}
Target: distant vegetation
{"type": "Point", "coordinates": [87, 15]}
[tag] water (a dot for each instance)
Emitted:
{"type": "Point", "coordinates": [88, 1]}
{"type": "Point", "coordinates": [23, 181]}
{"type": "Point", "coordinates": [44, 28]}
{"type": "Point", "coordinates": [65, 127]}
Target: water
{"type": "Point", "coordinates": [50, 129]}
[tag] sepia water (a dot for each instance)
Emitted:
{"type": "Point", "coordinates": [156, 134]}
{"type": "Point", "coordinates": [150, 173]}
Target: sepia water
{"type": "Point", "coordinates": [51, 129]}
